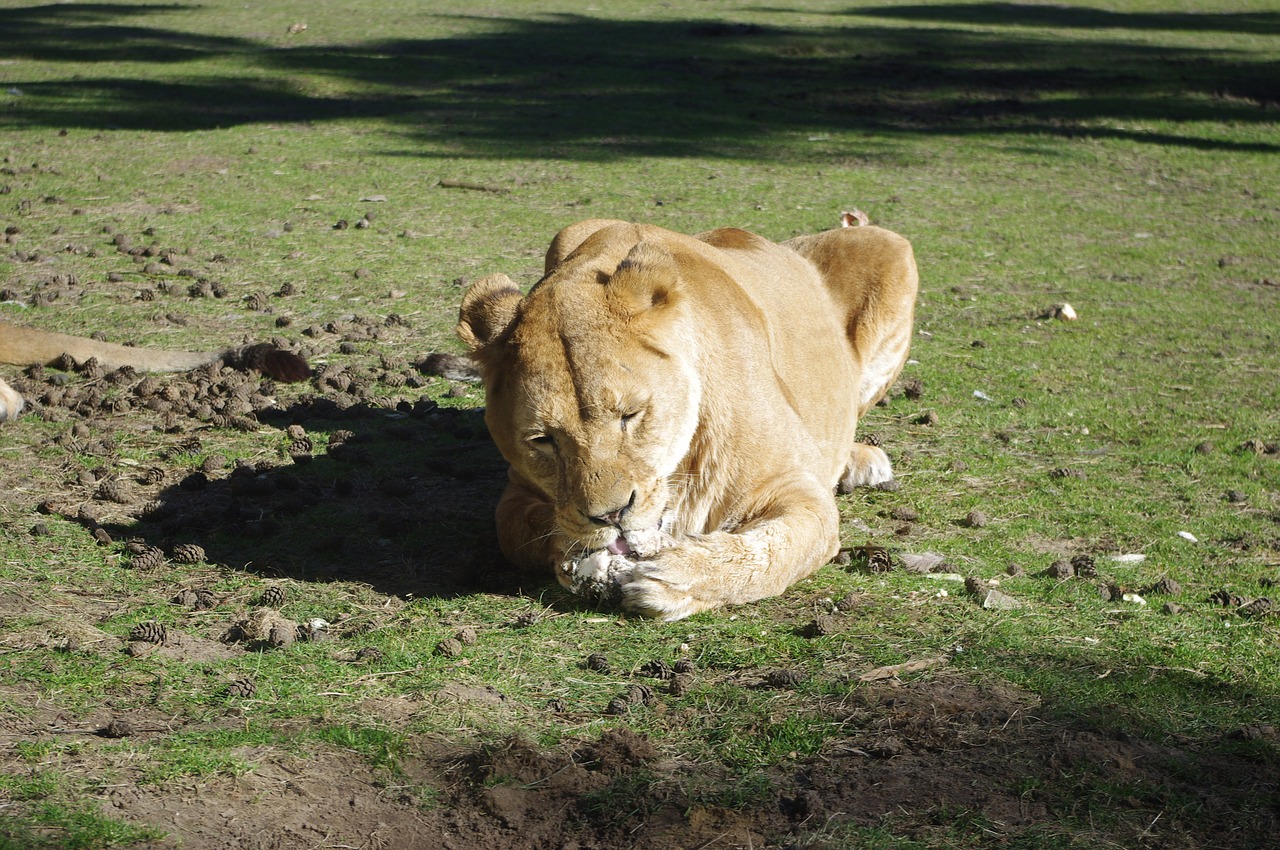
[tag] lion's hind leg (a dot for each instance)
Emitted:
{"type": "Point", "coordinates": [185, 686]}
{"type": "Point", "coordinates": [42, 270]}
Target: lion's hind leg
{"type": "Point", "coordinates": [871, 275]}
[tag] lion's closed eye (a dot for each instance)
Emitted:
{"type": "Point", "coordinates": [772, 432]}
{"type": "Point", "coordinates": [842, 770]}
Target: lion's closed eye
{"type": "Point", "coordinates": [542, 442]}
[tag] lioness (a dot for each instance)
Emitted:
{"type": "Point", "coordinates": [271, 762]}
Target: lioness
{"type": "Point", "coordinates": [20, 346]}
{"type": "Point", "coordinates": [677, 411]}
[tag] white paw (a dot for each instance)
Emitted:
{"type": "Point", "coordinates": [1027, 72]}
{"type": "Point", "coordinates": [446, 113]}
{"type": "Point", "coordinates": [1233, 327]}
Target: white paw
{"type": "Point", "coordinates": [596, 577]}
{"type": "Point", "coordinates": [868, 467]}
{"type": "Point", "coordinates": [10, 402]}
{"type": "Point", "coordinates": [646, 542]}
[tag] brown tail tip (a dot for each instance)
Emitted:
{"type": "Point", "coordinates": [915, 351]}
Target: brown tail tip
{"type": "Point", "coordinates": [275, 363]}
{"type": "Point", "coordinates": [451, 366]}
{"type": "Point", "coordinates": [285, 366]}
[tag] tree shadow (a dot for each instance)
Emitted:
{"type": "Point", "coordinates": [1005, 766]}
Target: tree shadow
{"type": "Point", "coordinates": [581, 87]}
{"type": "Point", "coordinates": [1079, 17]}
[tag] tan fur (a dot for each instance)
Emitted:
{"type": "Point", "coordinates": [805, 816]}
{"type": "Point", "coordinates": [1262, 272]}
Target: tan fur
{"type": "Point", "coordinates": [677, 411]}
{"type": "Point", "coordinates": [22, 346]}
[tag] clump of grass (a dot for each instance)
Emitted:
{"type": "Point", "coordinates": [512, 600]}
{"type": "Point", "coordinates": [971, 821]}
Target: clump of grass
{"type": "Point", "coordinates": [42, 813]}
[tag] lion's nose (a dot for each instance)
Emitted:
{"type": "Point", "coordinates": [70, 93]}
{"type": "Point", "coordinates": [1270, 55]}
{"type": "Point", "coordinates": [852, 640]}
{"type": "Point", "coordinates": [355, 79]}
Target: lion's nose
{"type": "Point", "coordinates": [614, 517]}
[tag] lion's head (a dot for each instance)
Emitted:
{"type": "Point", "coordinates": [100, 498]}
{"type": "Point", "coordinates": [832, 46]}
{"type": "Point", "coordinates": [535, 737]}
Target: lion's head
{"type": "Point", "coordinates": [592, 386]}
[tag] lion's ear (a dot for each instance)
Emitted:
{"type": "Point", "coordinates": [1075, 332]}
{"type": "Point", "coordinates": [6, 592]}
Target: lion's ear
{"type": "Point", "coordinates": [647, 277]}
{"type": "Point", "coordinates": [487, 310]}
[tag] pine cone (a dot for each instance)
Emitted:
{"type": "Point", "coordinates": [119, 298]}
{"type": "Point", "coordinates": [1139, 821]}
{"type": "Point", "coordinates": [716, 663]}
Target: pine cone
{"type": "Point", "coordinates": [1263, 606]}
{"type": "Point", "coordinates": [149, 558]}
{"type": "Point", "coordinates": [878, 560]}
{"type": "Point", "coordinates": [155, 509]}
{"type": "Point", "coordinates": [242, 688]}
{"type": "Point", "coordinates": [92, 369]}
{"type": "Point", "coordinates": [1061, 569]}
{"type": "Point", "coordinates": [1085, 566]}
{"type": "Point", "coordinates": [147, 387]}
{"type": "Point", "coordinates": [821, 626]}
{"type": "Point", "coordinates": [1227, 599]}
{"type": "Point", "coordinates": [449, 648]}
{"type": "Point", "coordinates": [113, 490]}
{"type": "Point", "coordinates": [598, 663]}
{"type": "Point", "coordinates": [150, 631]}
{"type": "Point", "coordinates": [657, 669]}
{"type": "Point", "coordinates": [641, 694]}
{"type": "Point", "coordinates": [526, 619]}
{"type": "Point", "coordinates": [119, 727]}
{"type": "Point", "coordinates": [283, 635]}
{"type": "Point", "coordinates": [200, 599]}
{"type": "Point", "coordinates": [783, 678]}
{"type": "Point", "coordinates": [188, 553]}
{"type": "Point", "coordinates": [272, 597]}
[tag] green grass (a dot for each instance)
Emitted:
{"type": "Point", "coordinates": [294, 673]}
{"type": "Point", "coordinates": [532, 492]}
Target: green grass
{"type": "Point", "coordinates": [39, 815]}
{"type": "Point", "coordinates": [1119, 156]}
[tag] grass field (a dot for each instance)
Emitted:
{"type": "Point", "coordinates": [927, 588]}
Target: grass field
{"type": "Point", "coordinates": [196, 175]}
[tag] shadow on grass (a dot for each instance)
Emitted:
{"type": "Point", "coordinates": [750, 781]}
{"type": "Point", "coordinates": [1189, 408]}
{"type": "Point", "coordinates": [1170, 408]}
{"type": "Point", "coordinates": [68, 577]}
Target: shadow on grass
{"type": "Point", "coordinates": [402, 502]}
{"type": "Point", "coordinates": [576, 86]}
{"type": "Point", "coordinates": [1080, 17]}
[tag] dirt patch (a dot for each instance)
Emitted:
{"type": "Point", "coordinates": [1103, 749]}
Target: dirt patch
{"type": "Point", "coordinates": [915, 755]}
{"type": "Point", "coordinates": [327, 798]}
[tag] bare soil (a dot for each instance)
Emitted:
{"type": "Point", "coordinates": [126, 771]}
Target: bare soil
{"type": "Point", "coordinates": [915, 755]}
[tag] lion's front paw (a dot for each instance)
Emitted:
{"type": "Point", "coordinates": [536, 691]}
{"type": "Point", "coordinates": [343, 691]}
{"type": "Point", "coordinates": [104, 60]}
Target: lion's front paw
{"type": "Point", "coordinates": [596, 577]}
{"type": "Point", "coordinates": [10, 402]}
{"type": "Point", "coordinates": [664, 589]}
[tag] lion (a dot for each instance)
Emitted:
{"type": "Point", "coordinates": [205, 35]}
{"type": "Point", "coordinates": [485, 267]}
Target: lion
{"type": "Point", "coordinates": [677, 412]}
{"type": "Point", "coordinates": [22, 346]}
